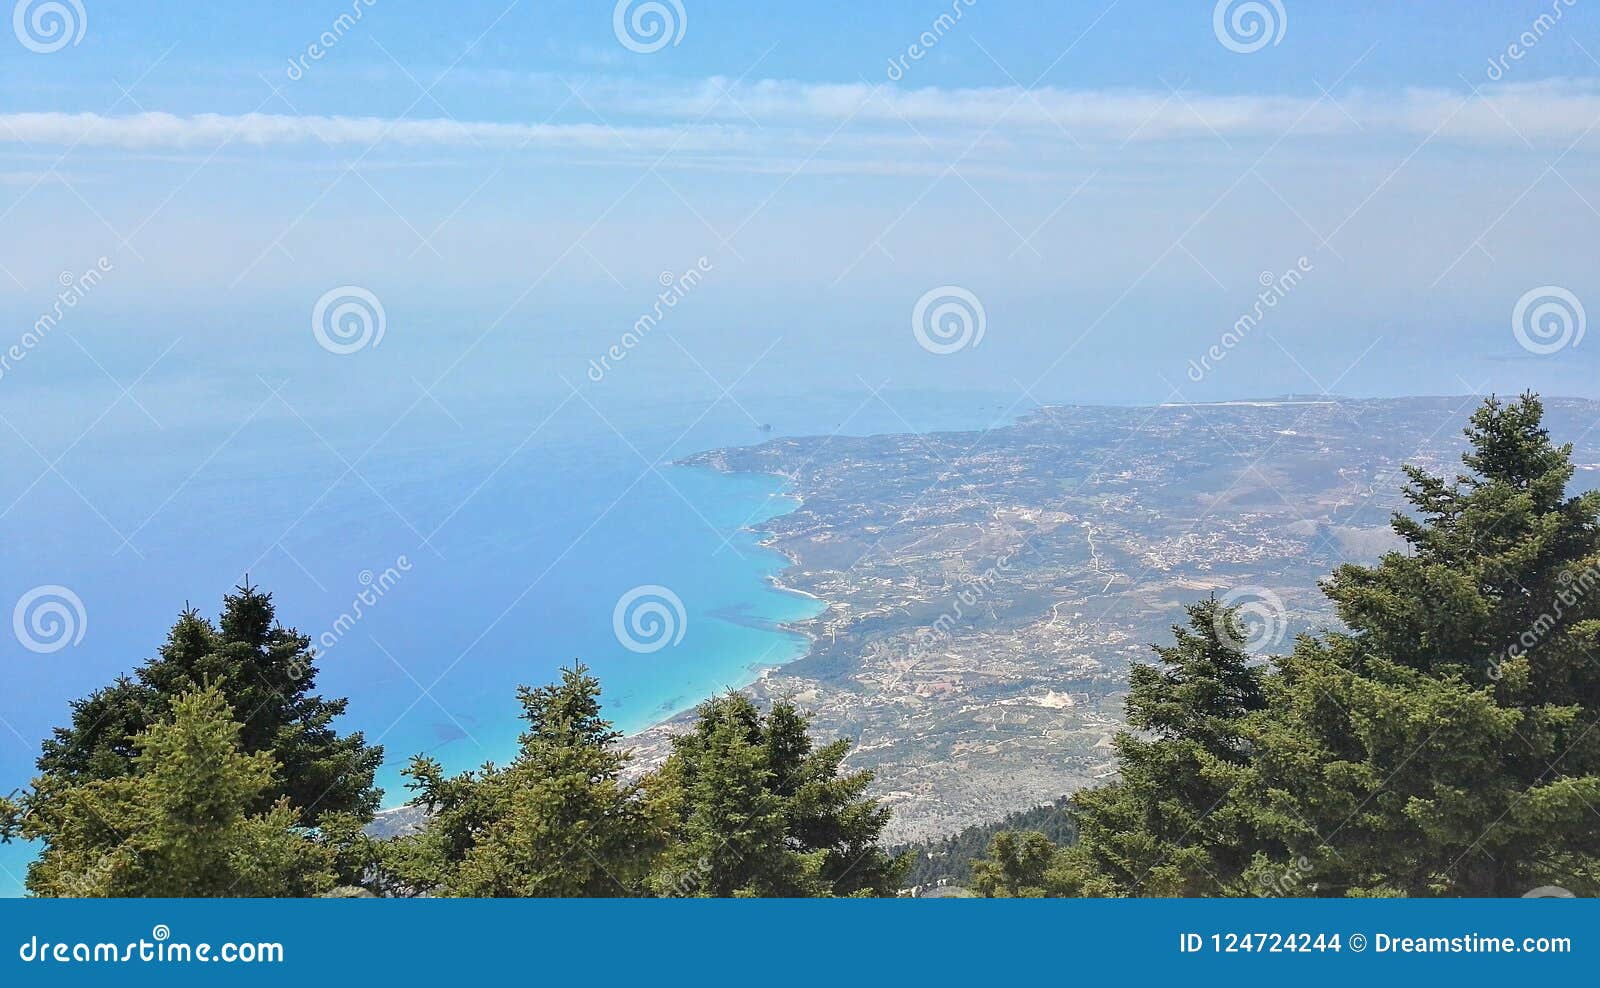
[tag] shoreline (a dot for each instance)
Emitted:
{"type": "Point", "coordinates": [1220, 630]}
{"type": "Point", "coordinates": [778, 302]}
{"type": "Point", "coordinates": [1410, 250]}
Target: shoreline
{"type": "Point", "coordinates": [407, 813]}
{"type": "Point", "coordinates": [767, 541]}
{"type": "Point", "coordinates": [775, 580]}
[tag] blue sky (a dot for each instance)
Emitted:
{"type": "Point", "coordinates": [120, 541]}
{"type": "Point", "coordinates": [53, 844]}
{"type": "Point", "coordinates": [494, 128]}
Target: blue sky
{"type": "Point", "coordinates": [491, 254]}
{"type": "Point", "coordinates": [1112, 181]}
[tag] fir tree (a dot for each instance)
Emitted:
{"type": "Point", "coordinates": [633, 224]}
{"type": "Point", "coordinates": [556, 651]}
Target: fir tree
{"type": "Point", "coordinates": [1442, 744]}
{"type": "Point", "coordinates": [1019, 866]}
{"type": "Point", "coordinates": [177, 824]}
{"type": "Point", "coordinates": [557, 821]}
{"type": "Point", "coordinates": [826, 810]}
{"type": "Point", "coordinates": [731, 838]}
{"type": "Point", "coordinates": [267, 674]}
{"type": "Point", "coordinates": [761, 812]}
{"type": "Point", "coordinates": [1167, 825]}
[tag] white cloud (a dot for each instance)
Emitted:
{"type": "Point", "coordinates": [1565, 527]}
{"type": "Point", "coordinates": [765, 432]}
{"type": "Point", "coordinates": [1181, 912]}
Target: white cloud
{"type": "Point", "coordinates": [148, 131]}
{"type": "Point", "coordinates": [1551, 110]}
{"type": "Point", "coordinates": [760, 125]}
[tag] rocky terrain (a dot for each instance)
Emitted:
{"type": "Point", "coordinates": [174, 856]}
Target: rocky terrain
{"type": "Point", "coordinates": [987, 591]}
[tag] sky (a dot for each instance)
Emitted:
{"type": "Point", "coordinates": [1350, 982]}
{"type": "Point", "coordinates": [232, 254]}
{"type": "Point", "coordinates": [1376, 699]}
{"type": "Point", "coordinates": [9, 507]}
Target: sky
{"type": "Point", "coordinates": [283, 287]}
{"type": "Point", "coordinates": [1103, 189]}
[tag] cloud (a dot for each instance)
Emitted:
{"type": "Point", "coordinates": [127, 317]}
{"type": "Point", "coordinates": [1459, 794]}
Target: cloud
{"type": "Point", "coordinates": [151, 131]}
{"type": "Point", "coordinates": [872, 129]}
{"type": "Point", "coordinates": [1549, 110]}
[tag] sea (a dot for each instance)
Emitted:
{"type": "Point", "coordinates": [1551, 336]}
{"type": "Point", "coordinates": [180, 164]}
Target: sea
{"type": "Point", "coordinates": [439, 555]}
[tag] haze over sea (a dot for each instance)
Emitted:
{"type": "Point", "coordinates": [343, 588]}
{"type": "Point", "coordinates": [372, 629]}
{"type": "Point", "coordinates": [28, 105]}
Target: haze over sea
{"type": "Point", "coordinates": [509, 530]}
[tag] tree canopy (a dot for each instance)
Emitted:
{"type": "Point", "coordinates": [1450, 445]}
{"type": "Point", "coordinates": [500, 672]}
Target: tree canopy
{"type": "Point", "coordinates": [178, 823]}
{"type": "Point", "coordinates": [267, 675]}
{"type": "Point", "coordinates": [745, 805]}
{"type": "Point", "coordinates": [1439, 742]}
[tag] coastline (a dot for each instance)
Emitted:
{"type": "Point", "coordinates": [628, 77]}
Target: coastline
{"type": "Point", "coordinates": [776, 579]}
{"type": "Point", "coordinates": [650, 745]}
{"type": "Point", "coordinates": [774, 574]}
{"type": "Point", "coordinates": [767, 541]}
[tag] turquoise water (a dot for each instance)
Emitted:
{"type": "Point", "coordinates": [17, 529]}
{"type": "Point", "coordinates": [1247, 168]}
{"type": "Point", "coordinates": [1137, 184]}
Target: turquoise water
{"type": "Point", "coordinates": [510, 532]}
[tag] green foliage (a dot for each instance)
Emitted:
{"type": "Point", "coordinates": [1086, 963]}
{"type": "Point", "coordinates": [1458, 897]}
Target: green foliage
{"type": "Point", "coordinates": [1442, 745]}
{"type": "Point", "coordinates": [745, 805]}
{"type": "Point", "coordinates": [557, 821]}
{"type": "Point", "coordinates": [949, 860]}
{"type": "Point", "coordinates": [1165, 826]}
{"type": "Point", "coordinates": [729, 838]}
{"type": "Point", "coordinates": [177, 823]}
{"type": "Point", "coordinates": [1020, 864]}
{"type": "Point", "coordinates": [759, 811]}
{"type": "Point", "coordinates": [1439, 743]}
{"type": "Point", "coordinates": [267, 673]}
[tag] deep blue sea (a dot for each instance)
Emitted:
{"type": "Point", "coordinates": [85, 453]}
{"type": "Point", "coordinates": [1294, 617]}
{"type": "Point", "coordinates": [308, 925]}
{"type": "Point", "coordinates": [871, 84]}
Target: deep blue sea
{"type": "Point", "coordinates": [509, 530]}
